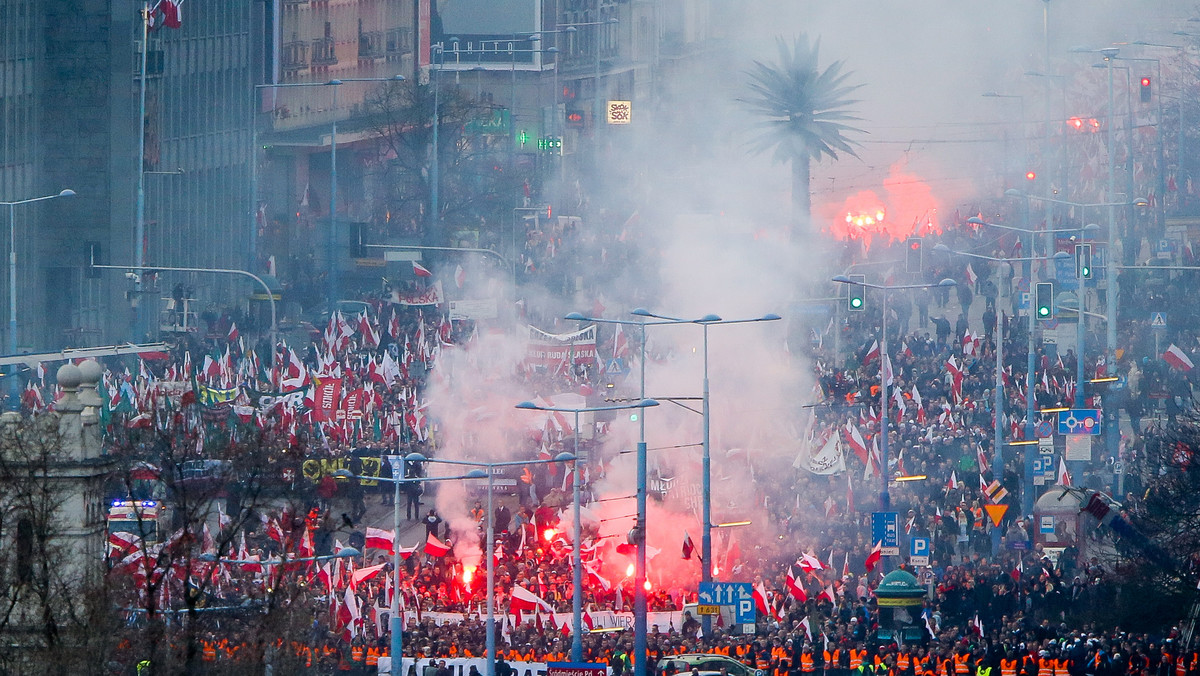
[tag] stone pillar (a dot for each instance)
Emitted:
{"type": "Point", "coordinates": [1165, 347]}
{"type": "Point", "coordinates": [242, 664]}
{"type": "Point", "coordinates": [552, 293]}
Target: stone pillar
{"type": "Point", "coordinates": [90, 402]}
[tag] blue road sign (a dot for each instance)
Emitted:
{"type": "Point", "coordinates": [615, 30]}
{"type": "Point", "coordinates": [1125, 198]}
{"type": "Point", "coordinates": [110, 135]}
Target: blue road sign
{"type": "Point", "coordinates": [1158, 320]}
{"type": "Point", "coordinates": [740, 595]}
{"type": "Point", "coordinates": [1043, 429]}
{"type": "Point", "coordinates": [918, 551]}
{"type": "Point", "coordinates": [1079, 421]}
{"type": "Point", "coordinates": [885, 529]}
{"type": "Point", "coordinates": [1064, 273]}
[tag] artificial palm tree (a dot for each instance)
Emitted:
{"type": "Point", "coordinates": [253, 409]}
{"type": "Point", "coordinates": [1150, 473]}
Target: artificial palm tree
{"type": "Point", "coordinates": [805, 111]}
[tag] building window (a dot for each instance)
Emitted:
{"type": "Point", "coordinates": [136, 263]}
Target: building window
{"type": "Point", "coordinates": [24, 551]}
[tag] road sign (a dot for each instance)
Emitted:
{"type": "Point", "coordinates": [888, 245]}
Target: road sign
{"type": "Point", "coordinates": [708, 610]}
{"type": "Point", "coordinates": [1079, 421]}
{"type": "Point", "coordinates": [918, 551]}
{"type": "Point", "coordinates": [1044, 429]}
{"type": "Point", "coordinates": [740, 595]}
{"type": "Point", "coordinates": [1038, 469]}
{"type": "Point", "coordinates": [995, 513]}
{"type": "Point", "coordinates": [885, 529]}
{"type": "Point", "coordinates": [1158, 320]}
{"type": "Point", "coordinates": [1163, 250]}
{"type": "Point", "coordinates": [1046, 525]}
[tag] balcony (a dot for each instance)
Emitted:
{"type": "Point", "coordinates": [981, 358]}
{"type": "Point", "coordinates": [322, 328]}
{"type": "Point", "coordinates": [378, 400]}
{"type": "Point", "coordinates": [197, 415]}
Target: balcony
{"type": "Point", "coordinates": [371, 45]}
{"type": "Point", "coordinates": [295, 55]}
{"type": "Point", "coordinates": [324, 52]}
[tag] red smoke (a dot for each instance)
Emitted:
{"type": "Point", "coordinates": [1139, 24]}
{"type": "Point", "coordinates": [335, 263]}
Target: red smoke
{"type": "Point", "coordinates": [907, 207]}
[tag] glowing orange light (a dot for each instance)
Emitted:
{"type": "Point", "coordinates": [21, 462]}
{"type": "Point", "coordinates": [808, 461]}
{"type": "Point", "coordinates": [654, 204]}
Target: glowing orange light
{"type": "Point", "coordinates": [549, 534]}
{"type": "Point", "coordinates": [646, 584]}
{"type": "Point", "coordinates": [629, 570]}
{"type": "Point", "coordinates": [716, 571]}
{"type": "Point", "coordinates": [468, 573]}
{"type": "Point", "coordinates": [1030, 175]}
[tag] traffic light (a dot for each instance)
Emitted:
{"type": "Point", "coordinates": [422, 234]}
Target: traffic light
{"type": "Point", "coordinates": [1083, 261]}
{"type": "Point", "coordinates": [912, 255]}
{"type": "Point", "coordinates": [1145, 90]}
{"type": "Point", "coordinates": [1043, 301]}
{"type": "Point", "coordinates": [1030, 175]}
{"type": "Point", "coordinates": [858, 293]}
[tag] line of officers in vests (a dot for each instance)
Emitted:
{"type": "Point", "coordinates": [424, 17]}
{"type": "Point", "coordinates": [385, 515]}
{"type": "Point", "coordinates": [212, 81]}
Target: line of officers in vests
{"type": "Point", "coordinates": [1090, 657]}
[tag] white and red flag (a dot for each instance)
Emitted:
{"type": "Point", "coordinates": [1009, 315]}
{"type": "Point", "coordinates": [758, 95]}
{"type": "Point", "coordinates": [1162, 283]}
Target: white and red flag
{"type": "Point", "coordinates": [760, 598]}
{"type": "Point", "coordinates": [435, 547]}
{"type": "Point", "coordinates": [420, 270]}
{"type": "Point", "coordinates": [377, 538]}
{"type": "Point", "coordinates": [795, 587]}
{"type": "Point", "coordinates": [874, 557]}
{"type": "Point", "coordinates": [1177, 358]}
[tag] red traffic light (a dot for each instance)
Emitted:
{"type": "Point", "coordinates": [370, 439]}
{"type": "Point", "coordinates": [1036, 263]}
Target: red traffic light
{"type": "Point", "coordinates": [914, 244]}
{"type": "Point", "coordinates": [1030, 175]}
{"type": "Point", "coordinates": [1145, 82]}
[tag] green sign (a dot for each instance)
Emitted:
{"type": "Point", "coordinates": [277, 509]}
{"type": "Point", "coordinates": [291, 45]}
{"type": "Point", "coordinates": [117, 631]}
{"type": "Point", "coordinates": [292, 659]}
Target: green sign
{"type": "Point", "coordinates": [497, 124]}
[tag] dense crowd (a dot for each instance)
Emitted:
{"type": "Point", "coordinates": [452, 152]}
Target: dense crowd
{"type": "Point", "coordinates": [1001, 610]}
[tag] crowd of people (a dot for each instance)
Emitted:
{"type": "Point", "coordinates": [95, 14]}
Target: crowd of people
{"type": "Point", "coordinates": [1003, 609]}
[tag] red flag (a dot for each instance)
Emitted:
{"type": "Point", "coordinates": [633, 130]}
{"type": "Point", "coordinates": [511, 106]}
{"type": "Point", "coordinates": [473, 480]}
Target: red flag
{"type": "Point", "coordinates": [874, 556]}
{"type": "Point", "coordinates": [460, 277]}
{"type": "Point", "coordinates": [233, 332]}
{"type": "Point", "coordinates": [1064, 478]}
{"type": "Point", "coordinates": [872, 353]}
{"type": "Point", "coordinates": [420, 270]}
{"type": "Point", "coordinates": [435, 547]}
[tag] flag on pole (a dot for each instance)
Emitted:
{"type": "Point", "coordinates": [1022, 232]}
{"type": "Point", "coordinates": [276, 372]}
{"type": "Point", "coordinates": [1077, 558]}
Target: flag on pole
{"type": "Point", "coordinates": [1177, 358]}
{"type": "Point", "coordinates": [377, 538]}
{"type": "Point", "coordinates": [689, 547]}
{"type": "Point", "coordinates": [795, 587]}
{"type": "Point", "coordinates": [1064, 478]}
{"type": "Point", "coordinates": [874, 557]}
{"type": "Point", "coordinates": [460, 276]}
{"type": "Point", "coordinates": [435, 547]}
{"type": "Point", "coordinates": [420, 270]}
{"type": "Point", "coordinates": [760, 598]}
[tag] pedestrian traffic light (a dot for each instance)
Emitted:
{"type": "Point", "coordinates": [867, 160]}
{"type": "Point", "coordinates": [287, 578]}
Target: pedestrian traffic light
{"type": "Point", "coordinates": [1145, 90]}
{"type": "Point", "coordinates": [912, 255]}
{"type": "Point", "coordinates": [1043, 301]}
{"type": "Point", "coordinates": [858, 293]}
{"type": "Point", "coordinates": [1083, 261]}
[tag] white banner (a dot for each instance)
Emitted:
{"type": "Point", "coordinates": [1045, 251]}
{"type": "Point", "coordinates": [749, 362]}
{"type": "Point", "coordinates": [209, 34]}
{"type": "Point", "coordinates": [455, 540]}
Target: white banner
{"type": "Point", "coordinates": [553, 350]}
{"type": "Point", "coordinates": [823, 455]}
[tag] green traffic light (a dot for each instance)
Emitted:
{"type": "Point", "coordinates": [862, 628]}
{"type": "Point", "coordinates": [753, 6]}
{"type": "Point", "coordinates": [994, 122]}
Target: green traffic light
{"type": "Point", "coordinates": [856, 302]}
{"type": "Point", "coordinates": [1044, 311]}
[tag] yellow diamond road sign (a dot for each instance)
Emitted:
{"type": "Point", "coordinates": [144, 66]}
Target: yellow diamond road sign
{"type": "Point", "coordinates": [619, 112]}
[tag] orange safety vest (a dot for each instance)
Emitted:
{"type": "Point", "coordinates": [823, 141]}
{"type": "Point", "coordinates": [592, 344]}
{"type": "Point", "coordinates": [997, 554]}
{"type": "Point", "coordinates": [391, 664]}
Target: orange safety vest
{"type": "Point", "coordinates": [807, 665]}
{"type": "Point", "coordinates": [372, 657]}
{"type": "Point", "coordinates": [856, 658]}
{"type": "Point", "coordinates": [1046, 666]}
{"type": "Point", "coordinates": [1008, 667]}
{"type": "Point", "coordinates": [356, 653]}
{"type": "Point", "coordinates": [1181, 665]}
{"type": "Point", "coordinates": [961, 664]}
{"type": "Point", "coordinates": [210, 652]}
{"type": "Point", "coordinates": [978, 513]}
{"type": "Point", "coordinates": [903, 661]}
{"type": "Point", "coordinates": [831, 659]}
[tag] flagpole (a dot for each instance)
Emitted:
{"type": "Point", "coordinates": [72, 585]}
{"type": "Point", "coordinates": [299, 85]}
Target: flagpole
{"type": "Point", "coordinates": [140, 228]}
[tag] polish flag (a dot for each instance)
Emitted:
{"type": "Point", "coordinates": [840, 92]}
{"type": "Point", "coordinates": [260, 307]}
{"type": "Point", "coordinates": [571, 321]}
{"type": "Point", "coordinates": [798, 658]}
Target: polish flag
{"type": "Point", "coordinates": [460, 276]}
{"type": "Point", "coordinates": [435, 547]}
{"type": "Point", "coordinates": [1064, 478]}
{"type": "Point", "coordinates": [364, 574]}
{"type": "Point", "coordinates": [871, 353]}
{"type": "Point", "coordinates": [420, 270]}
{"type": "Point", "coordinates": [854, 438]}
{"type": "Point", "coordinates": [827, 593]}
{"type": "Point", "coordinates": [524, 600]}
{"type": "Point", "coordinates": [874, 557]}
{"type": "Point", "coordinates": [1177, 358]}
{"type": "Point", "coordinates": [810, 563]}
{"type": "Point", "coordinates": [795, 587]}
{"type": "Point", "coordinates": [232, 336]}
{"type": "Point", "coordinates": [377, 538]}
{"type": "Point", "coordinates": [952, 484]}
{"type": "Point", "coordinates": [689, 547]}
{"type": "Point", "coordinates": [846, 565]}
{"type": "Point", "coordinates": [971, 276]}
{"type": "Point", "coordinates": [760, 598]}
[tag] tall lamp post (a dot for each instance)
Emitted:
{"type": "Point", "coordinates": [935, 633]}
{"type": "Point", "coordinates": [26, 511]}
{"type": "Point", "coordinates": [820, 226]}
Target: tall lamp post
{"type": "Point", "coordinates": [706, 462]}
{"type": "Point", "coordinates": [486, 470]}
{"type": "Point", "coordinates": [576, 552]}
{"type": "Point", "coordinates": [885, 500]}
{"type": "Point", "coordinates": [14, 389]}
{"type": "Point", "coordinates": [398, 478]}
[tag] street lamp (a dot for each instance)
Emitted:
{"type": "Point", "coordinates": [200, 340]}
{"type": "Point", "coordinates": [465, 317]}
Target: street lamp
{"type": "Point", "coordinates": [14, 390]}
{"type": "Point", "coordinates": [331, 241]}
{"type": "Point", "coordinates": [885, 500]}
{"type": "Point", "coordinates": [576, 554]}
{"type": "Point", "coordinates": [397, 478]}
{"type": "Point", "coordinates": [485, 470]}
{"type": "Point", "coordinates": [706, 462]}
